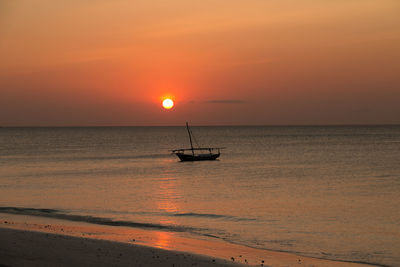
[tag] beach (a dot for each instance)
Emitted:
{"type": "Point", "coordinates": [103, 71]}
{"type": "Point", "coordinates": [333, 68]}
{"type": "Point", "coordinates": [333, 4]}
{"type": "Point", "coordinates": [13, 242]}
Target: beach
{"type": "Point", "coordinates": [27, 241]}
{"type": "Point", "coordinates": [28, 248]}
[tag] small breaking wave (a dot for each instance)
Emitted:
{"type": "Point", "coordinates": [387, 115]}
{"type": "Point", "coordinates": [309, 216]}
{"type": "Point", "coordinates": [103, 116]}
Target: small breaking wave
{"type": "Point", "coordinates": [59, 214]}
{"type": "Point", "coordinates": [56, 214]}
{"type": "Point", "coordinates": [212, 216]}
{"type": "Point", "coordinates": [187, 214]}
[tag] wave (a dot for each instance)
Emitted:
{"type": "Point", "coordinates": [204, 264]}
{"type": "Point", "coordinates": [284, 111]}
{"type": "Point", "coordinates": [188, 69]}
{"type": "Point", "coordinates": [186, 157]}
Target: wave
{"type": "Point", "coordinates": [188, 214]}
{"type": "Point", "coordinates": [57, 214]}
{"type": "Point", "coordinates": [212, 216]}
{"type": "Point", "coordinates": [53, 213]}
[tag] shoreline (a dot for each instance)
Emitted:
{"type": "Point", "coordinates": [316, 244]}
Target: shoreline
{"type": "Point", "coordinates": [31, 248]}
{"type": "Point", "coordinates": [138, 245]}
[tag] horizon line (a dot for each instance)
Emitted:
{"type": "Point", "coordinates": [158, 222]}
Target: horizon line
{"type": "Point", "coordinates": [201, 125]}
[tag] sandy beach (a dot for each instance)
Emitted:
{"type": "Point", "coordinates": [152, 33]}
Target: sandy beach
{"type": "Point", "coordinates": [27, 248]}
{"type": "Point", "coordinates": [27, 241]}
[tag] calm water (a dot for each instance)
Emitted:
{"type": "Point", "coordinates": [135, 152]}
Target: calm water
{"type": "Point", "coordinates": [328, 192]}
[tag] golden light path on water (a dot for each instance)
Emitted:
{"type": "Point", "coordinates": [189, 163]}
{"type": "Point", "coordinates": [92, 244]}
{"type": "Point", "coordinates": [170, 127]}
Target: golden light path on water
{"type": "Point", "coordinates": [167, 196]}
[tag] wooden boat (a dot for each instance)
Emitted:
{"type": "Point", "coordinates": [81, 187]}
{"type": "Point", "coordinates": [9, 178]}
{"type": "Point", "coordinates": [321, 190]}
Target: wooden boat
{"type": "Point", "coordinates": [198, 153]}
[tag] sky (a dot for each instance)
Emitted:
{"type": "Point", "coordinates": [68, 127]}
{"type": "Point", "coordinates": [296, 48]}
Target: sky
{"type": "Point", "coordinates": [223, 62]}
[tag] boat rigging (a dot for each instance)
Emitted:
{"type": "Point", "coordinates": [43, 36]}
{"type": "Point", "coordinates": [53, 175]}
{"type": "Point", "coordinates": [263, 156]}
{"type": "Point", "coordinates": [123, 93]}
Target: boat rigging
{"type": "Point", "coordinates": [197, 153]}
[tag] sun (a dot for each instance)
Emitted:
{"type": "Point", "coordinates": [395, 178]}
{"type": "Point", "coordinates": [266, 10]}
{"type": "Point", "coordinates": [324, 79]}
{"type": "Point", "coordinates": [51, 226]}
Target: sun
{"type": "Point", "coordinates": [168, 103]}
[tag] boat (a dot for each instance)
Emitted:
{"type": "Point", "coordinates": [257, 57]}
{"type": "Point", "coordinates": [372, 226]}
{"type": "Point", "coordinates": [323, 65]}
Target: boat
{"type": "Point", "coordinates": [197, 153]}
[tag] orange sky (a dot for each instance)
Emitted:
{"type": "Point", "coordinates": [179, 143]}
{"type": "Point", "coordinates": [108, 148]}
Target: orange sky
{"type": "Point", "coordinates": [223, 61]}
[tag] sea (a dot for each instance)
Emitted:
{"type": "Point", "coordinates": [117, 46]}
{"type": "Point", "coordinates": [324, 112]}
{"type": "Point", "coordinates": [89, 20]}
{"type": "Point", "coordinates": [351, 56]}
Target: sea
{"type": "Point", "coordinates": [328, 192]}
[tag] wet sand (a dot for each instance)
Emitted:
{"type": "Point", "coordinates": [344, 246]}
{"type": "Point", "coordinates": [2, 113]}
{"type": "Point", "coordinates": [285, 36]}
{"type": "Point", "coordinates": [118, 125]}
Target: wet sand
{"type": "Point", "coordinates": [30, 241]}
{"type": "Point", "coordinates": [27, 248]}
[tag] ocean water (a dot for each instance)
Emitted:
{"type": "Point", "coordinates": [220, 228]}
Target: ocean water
{"type": "Point", "coordinates": [327, 192]}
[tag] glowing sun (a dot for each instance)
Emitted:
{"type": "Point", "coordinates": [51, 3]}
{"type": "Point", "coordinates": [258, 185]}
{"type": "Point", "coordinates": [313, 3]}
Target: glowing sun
{"type": "Point", "coordinates": [168, 103]}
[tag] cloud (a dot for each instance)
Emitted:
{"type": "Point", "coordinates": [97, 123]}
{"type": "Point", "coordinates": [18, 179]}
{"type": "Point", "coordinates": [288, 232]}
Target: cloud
{"type": "Point", "coordinates": [226, 101]}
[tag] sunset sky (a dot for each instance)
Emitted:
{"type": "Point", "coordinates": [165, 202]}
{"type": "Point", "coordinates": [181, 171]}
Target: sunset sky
{"type": "Point", "coordinates": [223, 62]}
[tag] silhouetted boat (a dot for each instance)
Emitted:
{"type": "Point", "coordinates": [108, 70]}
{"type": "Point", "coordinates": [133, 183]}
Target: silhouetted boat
{"type": "Point", "coordinates": [197, 153]}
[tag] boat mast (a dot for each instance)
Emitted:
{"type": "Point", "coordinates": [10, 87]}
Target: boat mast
{"type": "Point", "coordinates": [190, 138]}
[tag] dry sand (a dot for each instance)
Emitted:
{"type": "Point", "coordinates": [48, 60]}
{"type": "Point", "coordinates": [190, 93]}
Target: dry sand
{"type": "Point", "coordinates": [25, 241]}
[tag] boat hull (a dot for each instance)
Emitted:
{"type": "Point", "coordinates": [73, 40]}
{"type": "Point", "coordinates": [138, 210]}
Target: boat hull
{"type": "Point", "coordinates": [198, 157]}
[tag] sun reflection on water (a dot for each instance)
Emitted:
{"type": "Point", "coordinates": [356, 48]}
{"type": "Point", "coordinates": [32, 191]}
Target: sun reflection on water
{"type": "Point", "coordinates": [168, 197]}
{"type": "Point", "coordinates": [163, 240]}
